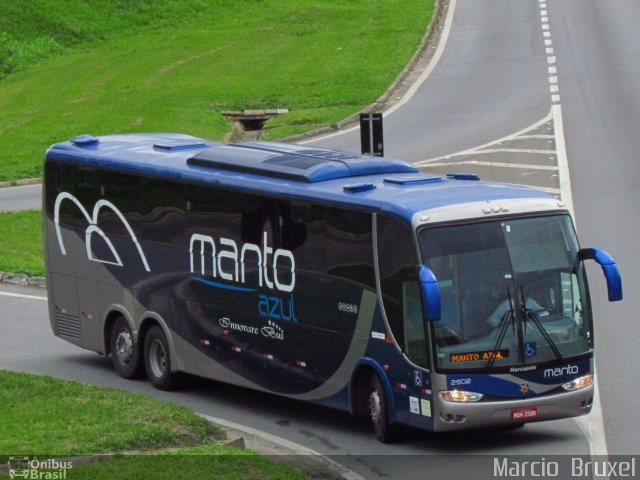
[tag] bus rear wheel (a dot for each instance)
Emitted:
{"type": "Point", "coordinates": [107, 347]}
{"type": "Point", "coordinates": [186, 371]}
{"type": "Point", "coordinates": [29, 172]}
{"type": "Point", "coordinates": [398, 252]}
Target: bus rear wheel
{"type": "Point", "coordinates": [157, 361]}
{"type": "Point", "coordinates": [379, 412]}
{"type": "Point", "coordinates": [125, 352]}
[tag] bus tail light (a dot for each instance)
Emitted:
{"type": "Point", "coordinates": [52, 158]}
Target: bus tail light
{"type": "Point", "coordinates": [460, 396]}
{"type": "Point", "coordinates": [578, 383]}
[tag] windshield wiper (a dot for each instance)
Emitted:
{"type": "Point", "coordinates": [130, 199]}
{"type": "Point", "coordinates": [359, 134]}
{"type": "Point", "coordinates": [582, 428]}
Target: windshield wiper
{"type": "Point", "coordinates": [507, 316]}
{"type": "Point", "coordinates": [528, 313]}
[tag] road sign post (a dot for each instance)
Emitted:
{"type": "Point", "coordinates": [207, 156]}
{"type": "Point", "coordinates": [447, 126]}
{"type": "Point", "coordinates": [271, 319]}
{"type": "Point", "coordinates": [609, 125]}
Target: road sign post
{"type": "Point", "coordinates": [371, 136]}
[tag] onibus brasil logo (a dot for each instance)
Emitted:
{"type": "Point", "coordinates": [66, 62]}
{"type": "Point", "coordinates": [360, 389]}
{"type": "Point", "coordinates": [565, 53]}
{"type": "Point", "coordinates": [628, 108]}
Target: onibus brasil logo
{"type": "Point", "coordinates": [33, 468]}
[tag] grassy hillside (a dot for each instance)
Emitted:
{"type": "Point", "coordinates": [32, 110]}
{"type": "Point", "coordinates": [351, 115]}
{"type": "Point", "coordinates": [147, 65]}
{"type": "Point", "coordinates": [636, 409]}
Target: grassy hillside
{"type": "Point", "coordinates": [114, 66]}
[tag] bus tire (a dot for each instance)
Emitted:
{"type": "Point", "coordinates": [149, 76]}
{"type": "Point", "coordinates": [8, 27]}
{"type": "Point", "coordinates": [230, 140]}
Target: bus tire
{"type": "Point", "coordinates": [125, 352]}
{"type": "Point", "coordinates": [157, 361]}
{"type": "Point", "coordinates": [379, 412]}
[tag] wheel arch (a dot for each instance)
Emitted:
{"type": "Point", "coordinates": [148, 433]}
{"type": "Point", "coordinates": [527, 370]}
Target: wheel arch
{"type": "Point", "coordinates": [149, 319]}
{"type": "Point", "coordinates": [359, 385]}
{"type": "Point", "coordinates": [115, 312]}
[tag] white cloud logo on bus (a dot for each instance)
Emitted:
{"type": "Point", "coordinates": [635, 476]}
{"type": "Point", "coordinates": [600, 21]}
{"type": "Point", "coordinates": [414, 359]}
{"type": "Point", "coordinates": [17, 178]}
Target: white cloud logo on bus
{"type": "Point", "coordinates": [206, 258]}
{"type": "Point", "coordinates": [93, 229]}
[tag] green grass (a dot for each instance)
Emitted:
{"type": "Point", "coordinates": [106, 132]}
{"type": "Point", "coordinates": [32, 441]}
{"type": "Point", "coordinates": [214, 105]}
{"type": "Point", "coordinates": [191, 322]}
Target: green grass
{"type": "Point", "coordinates": [176, 68]}
{"type": "Point", "coordinates": [46, 418]}
{"type": "Point", "coordinates": [205, 462]}
{"type": "Point", "coordinates": [21, 242]}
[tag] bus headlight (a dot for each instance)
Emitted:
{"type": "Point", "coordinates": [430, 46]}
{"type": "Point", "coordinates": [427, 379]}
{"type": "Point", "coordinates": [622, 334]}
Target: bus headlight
{"type": "Point", "coordinates": [460, 396]}
{"type": "Point", "coordinates": [578, 383]}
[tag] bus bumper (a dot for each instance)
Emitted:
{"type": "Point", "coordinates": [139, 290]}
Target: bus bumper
{"type": "Point", "coordinates": [452, 416]}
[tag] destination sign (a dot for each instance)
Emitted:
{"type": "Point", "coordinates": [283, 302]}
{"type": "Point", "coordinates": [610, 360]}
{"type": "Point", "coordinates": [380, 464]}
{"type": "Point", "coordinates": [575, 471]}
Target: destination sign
{"type": "Point", "coordinates": [476, 356]}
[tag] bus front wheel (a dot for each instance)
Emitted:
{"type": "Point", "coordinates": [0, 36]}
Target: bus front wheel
{"type": "Point", "coordinates": [125, 352]}
{"type": "Point", "coordinates": [157, 360]}
{"type": "Point", "coordinates": [379, 412]}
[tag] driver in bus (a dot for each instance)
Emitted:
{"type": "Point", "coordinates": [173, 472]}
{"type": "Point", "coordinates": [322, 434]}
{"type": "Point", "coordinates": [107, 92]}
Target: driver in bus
{"type": "Point", "coordinates": [500, 310]}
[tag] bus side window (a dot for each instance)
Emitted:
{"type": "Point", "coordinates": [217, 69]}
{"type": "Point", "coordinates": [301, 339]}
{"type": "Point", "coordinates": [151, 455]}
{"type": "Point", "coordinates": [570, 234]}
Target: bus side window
{"type": "Point", "coordinates": [293, 232]}
{"type": "Point", "coordinates": [257, 215]}
{"type": "Point", "coordinates": [82, 183]}
{"type": "Point", "coordinates": [69, 215]}
{"type": "Point", "coordinates": [397, 259]}
{"type": "Point", "coordinates": [416, 346]}
{"type": "Point", "coordinates": [163, 207]}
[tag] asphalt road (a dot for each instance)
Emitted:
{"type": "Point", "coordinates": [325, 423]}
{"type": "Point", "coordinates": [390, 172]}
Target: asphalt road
{"type": "Point", "coordinates": [27, 197]}
{"type": "Point", "coordinates": [492, 81]}
{"type": "Point", "coordinates": [598, 52]}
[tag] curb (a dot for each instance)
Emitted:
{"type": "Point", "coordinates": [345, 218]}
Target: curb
{"type": "Point", "coordinates": [21, 183]}
{"type": "Point", "coordinates": [284, 451]}
{"type": "Point", "coordinates": [23, 280]}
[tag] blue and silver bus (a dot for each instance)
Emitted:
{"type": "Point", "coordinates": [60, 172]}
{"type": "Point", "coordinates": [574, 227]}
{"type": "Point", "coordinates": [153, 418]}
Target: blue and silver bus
{"type": "Point", "coordinates": [355, 282]}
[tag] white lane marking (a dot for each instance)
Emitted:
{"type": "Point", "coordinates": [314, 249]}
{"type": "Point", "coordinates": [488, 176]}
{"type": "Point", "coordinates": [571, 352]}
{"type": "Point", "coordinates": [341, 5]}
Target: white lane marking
{"type": "Point", "coordinates": [563, 164]}
{"type": "Point", "coordinates": [444, 36]}
{"type": "Point", "coordinates": [592, 426]}
{"type": "Point", "coordinates": [496, 164]}
{"type": "Point", "coordinates": [516, 150]}
{"type": "Point", "coordinates": [19, 295]}
{"type": "Point", "coordinates": [480, 148]}
{"type": "Point", "coordinates": [345, 472]}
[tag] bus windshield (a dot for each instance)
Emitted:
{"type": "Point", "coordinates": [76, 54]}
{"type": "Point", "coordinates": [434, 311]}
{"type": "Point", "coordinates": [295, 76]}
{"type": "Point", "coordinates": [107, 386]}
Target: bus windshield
{"type": "Point", "coordinates": [512, 292]}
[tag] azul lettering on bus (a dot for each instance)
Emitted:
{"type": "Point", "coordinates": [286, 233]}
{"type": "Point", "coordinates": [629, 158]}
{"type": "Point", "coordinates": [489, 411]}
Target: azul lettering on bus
{"type": "Point", "coordinates": [207, 258]}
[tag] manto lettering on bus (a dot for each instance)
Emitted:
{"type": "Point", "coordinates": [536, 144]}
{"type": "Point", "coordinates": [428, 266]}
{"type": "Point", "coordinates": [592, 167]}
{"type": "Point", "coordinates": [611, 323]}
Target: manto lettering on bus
{"type": "Point", "coordinates": [561, 371]}
{"type": "Point", "coordinates": [212, 254]}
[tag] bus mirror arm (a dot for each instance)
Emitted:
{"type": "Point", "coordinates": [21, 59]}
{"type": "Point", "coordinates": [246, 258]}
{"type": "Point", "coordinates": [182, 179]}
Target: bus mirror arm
{"type": "Point", "coordinates": [430, 294]}
{"type": "Point", "coordinates": [609, 269]}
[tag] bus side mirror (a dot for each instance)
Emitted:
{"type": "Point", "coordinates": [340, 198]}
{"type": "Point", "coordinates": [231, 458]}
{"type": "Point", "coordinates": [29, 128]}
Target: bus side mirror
{"type": "Point", "coordinates": [430, 294]}
{"type": "Point", "coordinates": [609, 268]}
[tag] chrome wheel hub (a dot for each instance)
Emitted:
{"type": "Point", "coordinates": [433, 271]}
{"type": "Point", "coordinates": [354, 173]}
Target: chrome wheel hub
{"type": "Point", "coordinates": [124, 347]}
{"type": "Point", "coordinates": [157, 359]}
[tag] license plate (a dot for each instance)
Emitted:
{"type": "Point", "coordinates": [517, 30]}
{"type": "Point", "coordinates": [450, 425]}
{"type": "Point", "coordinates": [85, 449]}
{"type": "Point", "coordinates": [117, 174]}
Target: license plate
{"type": "Point", "coordinates": [524, 414]}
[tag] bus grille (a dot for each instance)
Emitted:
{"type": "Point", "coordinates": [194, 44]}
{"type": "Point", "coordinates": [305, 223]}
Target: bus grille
{"type": "Point", "coordinates": [68, 325]}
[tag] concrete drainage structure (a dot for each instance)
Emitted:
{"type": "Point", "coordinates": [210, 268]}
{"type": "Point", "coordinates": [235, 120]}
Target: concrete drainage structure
{"type": "Point", "coordinates": [248, 124]}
